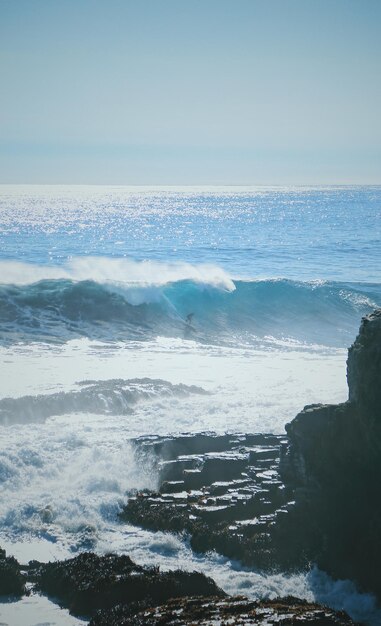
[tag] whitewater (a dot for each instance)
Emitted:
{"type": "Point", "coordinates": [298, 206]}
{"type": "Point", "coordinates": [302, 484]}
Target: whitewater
{"type": "Point", "coordinates": [96, 349]}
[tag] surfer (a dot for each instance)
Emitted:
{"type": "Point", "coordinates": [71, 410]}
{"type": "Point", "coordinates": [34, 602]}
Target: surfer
{"type": "Point", "coordinates": [188, 318]}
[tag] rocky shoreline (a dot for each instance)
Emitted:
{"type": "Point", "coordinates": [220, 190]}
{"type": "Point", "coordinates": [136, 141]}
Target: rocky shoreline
{"type": "Point", "coordinates": [225, 492]}
{"type": "Point", "coordinates": [278, 503]}
{"type": "Point", "coordinates": [283, 502]}
{"type": "Point", "coordinates": [112, 590]}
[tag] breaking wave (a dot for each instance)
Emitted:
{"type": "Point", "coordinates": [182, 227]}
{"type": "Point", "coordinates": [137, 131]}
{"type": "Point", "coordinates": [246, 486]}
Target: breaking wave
{"type": "Point", "coordinates": [155, 300]}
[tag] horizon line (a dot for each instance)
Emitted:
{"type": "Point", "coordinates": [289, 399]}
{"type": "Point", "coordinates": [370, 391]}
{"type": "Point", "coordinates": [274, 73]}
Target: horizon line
{"type": "Point", "coordinates": [177, 185]}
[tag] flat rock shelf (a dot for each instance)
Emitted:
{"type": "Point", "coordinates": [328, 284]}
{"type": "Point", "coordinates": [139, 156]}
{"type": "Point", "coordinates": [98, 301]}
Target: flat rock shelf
{"type": "Point", "coordinates": [225, 491]}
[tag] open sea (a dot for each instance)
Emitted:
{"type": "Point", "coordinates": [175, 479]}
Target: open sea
{"type": "Point", "coordinates": [128, 311]}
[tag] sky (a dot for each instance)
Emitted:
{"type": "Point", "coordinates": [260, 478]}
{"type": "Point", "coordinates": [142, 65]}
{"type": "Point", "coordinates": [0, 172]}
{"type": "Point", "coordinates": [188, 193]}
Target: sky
{"type": "Point", "coordinates": [183, 92]}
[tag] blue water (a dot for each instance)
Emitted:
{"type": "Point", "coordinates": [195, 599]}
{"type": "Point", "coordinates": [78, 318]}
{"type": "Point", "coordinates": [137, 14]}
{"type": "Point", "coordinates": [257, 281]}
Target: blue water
{"type": "Point", "coordinates": [300, 263]}
{"type": "Point", "coordinates": [249, 311]}
{"type": "Point", "coordinates": [302, 233]}
{"type": "Point", "coordinates": [96, 285]}
{"type": "Point", "coordinates": [298, 233]}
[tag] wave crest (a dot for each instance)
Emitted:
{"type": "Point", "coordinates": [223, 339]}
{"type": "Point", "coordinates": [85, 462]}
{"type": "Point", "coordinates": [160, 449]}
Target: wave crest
{"type": "Point", "coordinates": [125, 271]}
{"type": "Point", "coordinates": [226, 311]}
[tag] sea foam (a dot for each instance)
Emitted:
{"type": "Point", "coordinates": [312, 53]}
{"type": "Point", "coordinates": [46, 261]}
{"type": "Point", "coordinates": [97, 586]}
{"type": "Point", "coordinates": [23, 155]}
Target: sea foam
{"type": "Point", "coordinates": [117, 270]}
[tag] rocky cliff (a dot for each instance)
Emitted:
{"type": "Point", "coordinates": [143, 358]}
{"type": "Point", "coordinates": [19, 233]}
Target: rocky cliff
{"type": "Point", "coordinates": [334, 461]}
{"type": "Point", "coordinates": [364, 367]}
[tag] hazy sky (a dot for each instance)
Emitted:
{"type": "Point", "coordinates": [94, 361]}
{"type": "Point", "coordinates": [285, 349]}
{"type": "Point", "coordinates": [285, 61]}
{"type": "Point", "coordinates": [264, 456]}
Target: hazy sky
{"type": "Point", "coordinates": [190, 91]}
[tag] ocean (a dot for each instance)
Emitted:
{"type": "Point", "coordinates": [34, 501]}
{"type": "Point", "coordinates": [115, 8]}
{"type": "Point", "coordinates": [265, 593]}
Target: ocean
{"type": "Point", "coordinates": [128, 311]}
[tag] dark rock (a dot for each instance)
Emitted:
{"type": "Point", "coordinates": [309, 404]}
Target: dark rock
{"type": "Point", "coordinates": [12, 581]}
{"type": "Point", "coordinates": [117, 592]}
{"type": "Point", "coordinates": [364, 366]}
{"type": "Point", "coordinates": [90, 582]}
{"type": "Point", "coordinates": [334, 460]}
{"type": "Point", "coordinates": [226, 494]}
{"type": "Point", "coordinates": [168, 448]}
{"type": "Point", "coordinates": [232, 611]}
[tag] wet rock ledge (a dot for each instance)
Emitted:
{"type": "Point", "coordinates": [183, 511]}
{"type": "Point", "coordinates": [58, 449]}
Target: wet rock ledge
{"type": "Point", "coordinates": [90, 582]}
{"type": "Point", "coordinates": [226, 492]}
{"type": "Point", "coordinates": [231, 611]}
{"type": "Point", "coordinates": [112, 590]}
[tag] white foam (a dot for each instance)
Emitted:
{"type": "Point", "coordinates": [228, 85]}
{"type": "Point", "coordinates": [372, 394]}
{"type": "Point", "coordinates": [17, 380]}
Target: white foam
{"type": "Point", "coordinates": [171, 552]}
{"type": "Point", "coordinates": [124, 271]}
{"type": "Point", "coordinates": [252, 390]}
{"type": "Point", "coordinates": [65, 478]}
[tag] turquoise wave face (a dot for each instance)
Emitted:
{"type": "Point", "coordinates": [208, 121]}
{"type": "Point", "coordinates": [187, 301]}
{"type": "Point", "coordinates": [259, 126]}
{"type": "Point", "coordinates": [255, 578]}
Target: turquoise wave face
{"type": "Point", "coordinates": [325, 313]}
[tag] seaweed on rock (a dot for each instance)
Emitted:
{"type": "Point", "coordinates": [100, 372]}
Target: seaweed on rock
{"type": "Point", "coordinates": [89, 582]}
